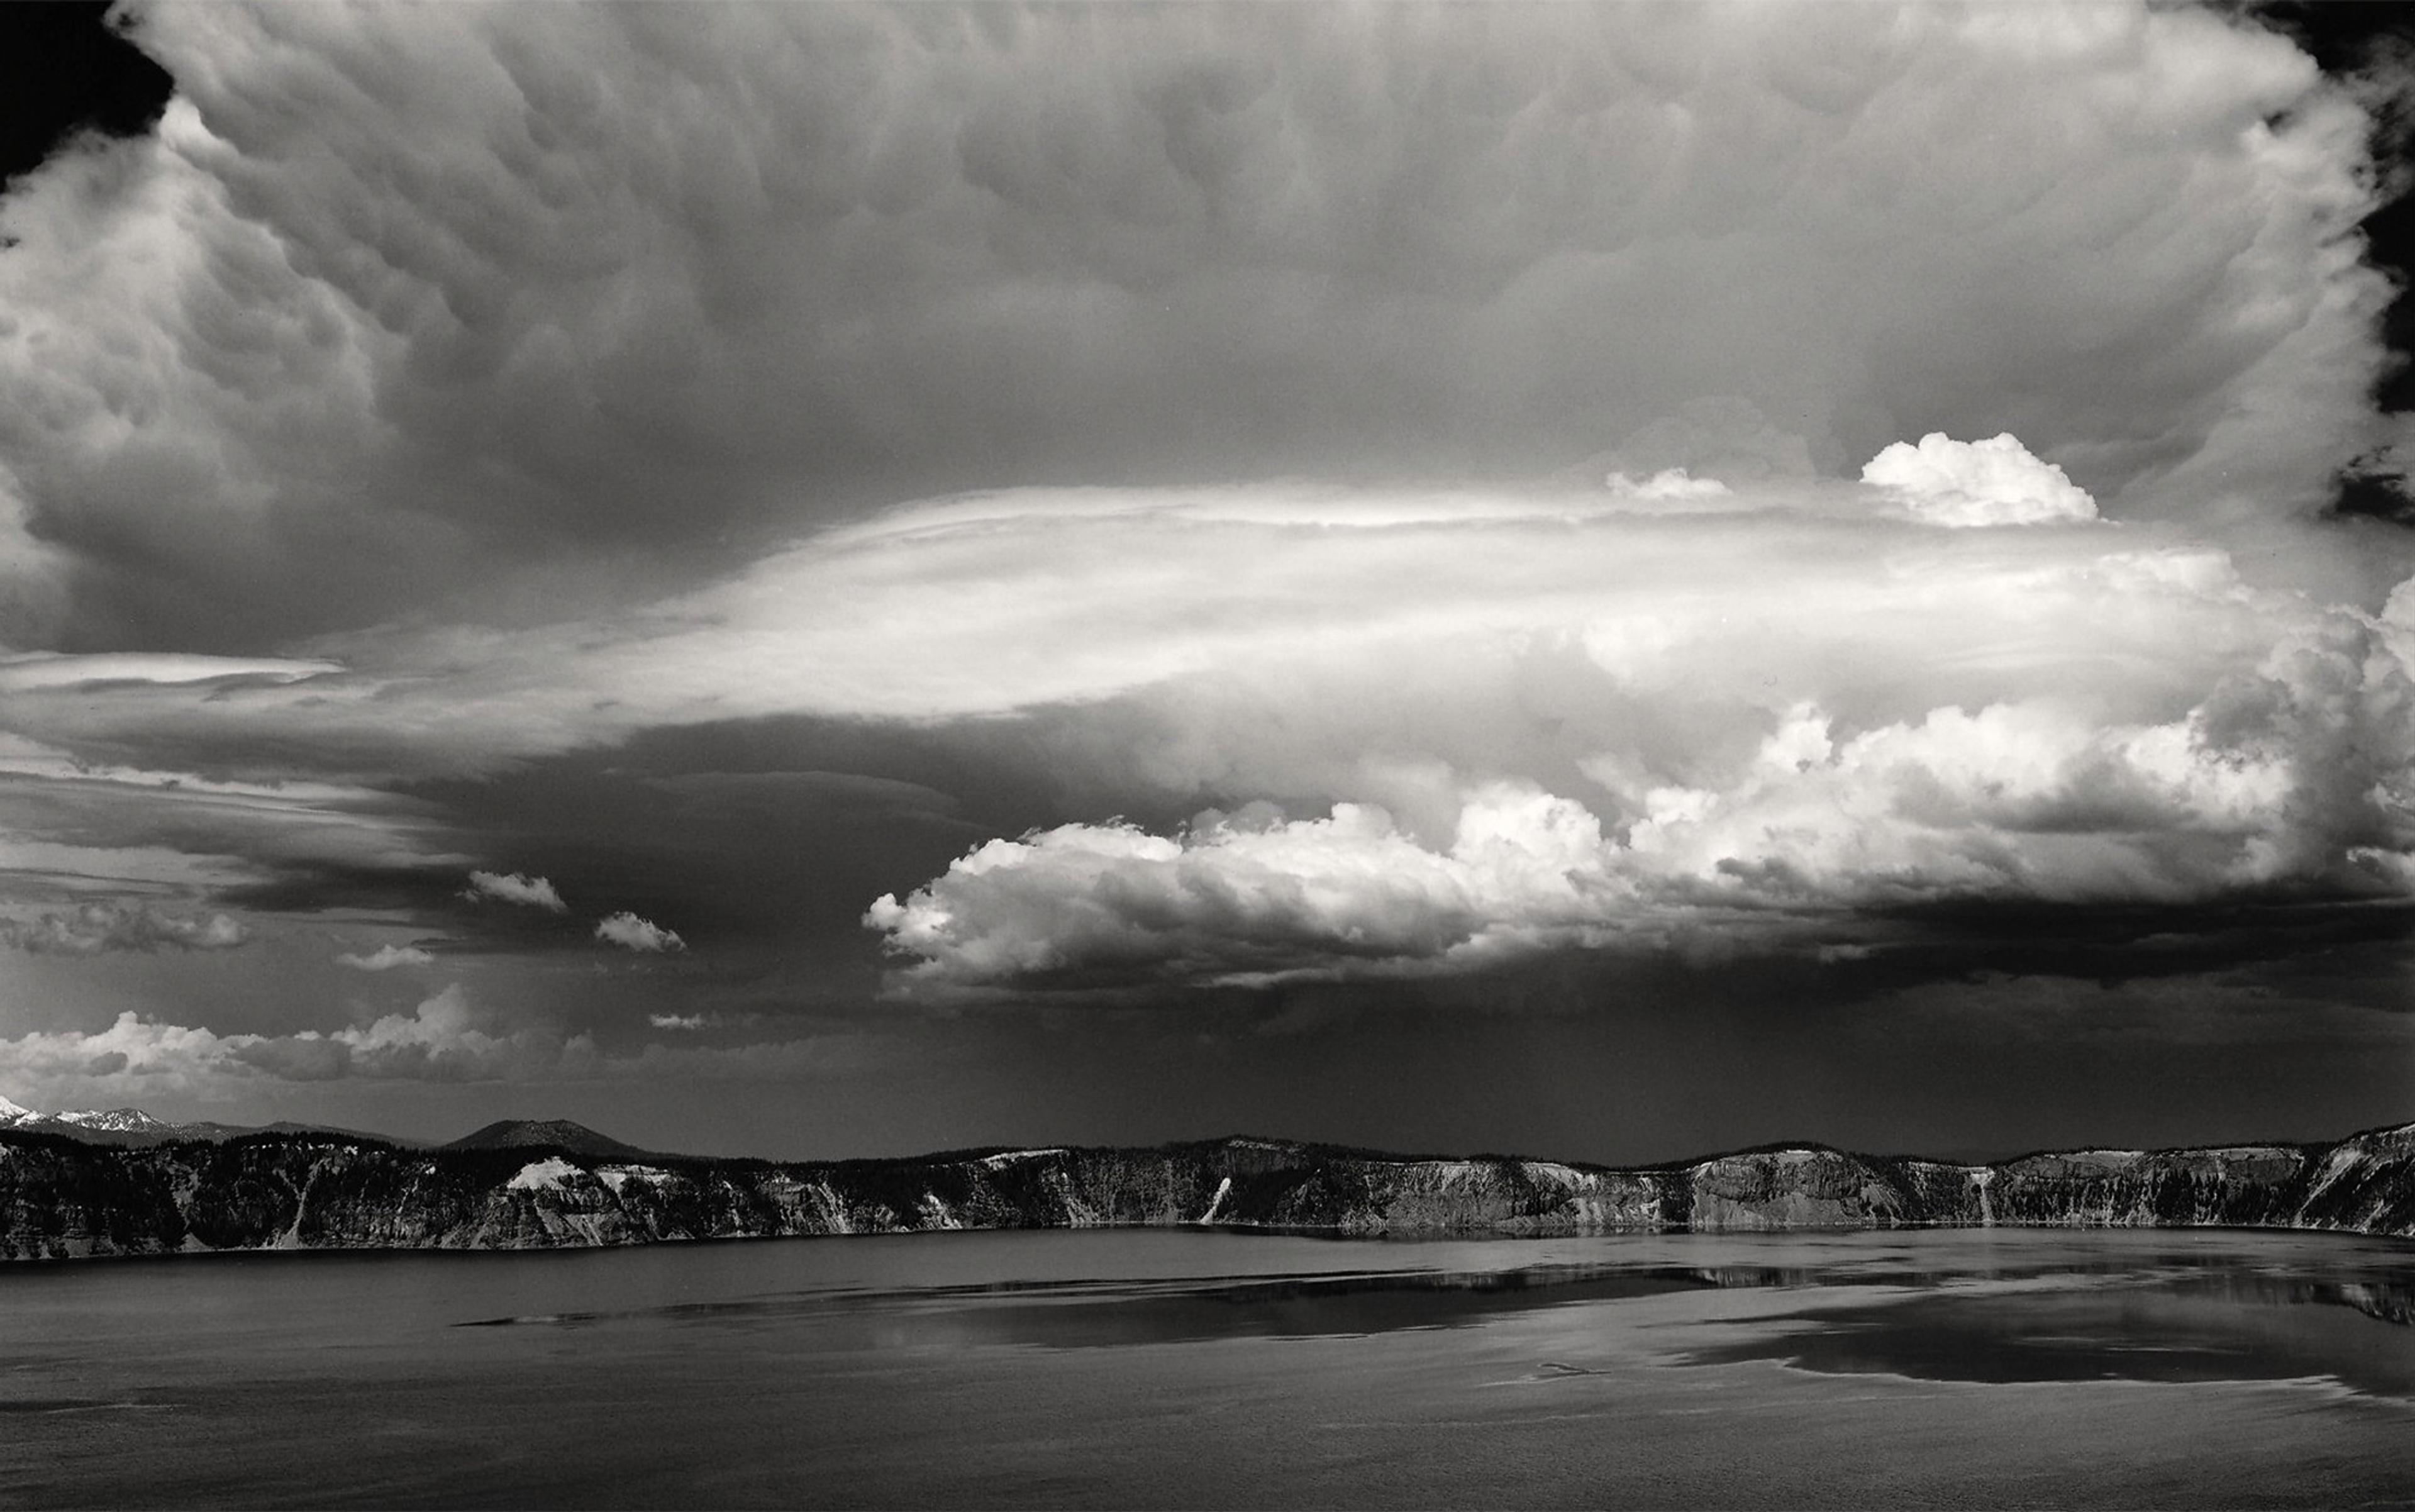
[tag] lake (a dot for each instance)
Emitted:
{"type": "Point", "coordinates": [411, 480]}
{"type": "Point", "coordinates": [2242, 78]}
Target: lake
{"type": "Point", "coordinates": [1201, 1367]}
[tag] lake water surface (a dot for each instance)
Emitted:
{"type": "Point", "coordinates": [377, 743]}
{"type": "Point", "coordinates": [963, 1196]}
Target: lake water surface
{"type": "Point", "coordinates": [1182, 1368]}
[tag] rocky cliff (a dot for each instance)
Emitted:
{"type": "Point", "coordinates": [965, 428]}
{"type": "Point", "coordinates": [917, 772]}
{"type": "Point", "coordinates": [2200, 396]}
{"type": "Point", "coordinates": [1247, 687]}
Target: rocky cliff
{"type": "Point", "coordinates": [64, 1197]}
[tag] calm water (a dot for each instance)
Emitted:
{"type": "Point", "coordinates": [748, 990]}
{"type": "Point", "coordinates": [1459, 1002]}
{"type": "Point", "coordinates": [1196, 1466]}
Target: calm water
{"type": "Point", "coordinates": [1185, 1368]}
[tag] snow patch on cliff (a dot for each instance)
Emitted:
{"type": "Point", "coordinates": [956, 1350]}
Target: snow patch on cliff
{"type": "Point", "coordinates": [552, 1172]}
{"type": "Point", "coordinates": [937, 1214]}
{"type": "Point", "coordinates": [1553, 1174]}
{"type": "Point", "coordinates": [1004, 1159]}
{"type": "Point", "coordinates": [118, 1120]}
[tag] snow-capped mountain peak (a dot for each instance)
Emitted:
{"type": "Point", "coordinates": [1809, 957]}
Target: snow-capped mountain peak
{"type": "Point", "coordinates": [116, 1120]}
{"type": "Point", "coordinates": [84, 1121]}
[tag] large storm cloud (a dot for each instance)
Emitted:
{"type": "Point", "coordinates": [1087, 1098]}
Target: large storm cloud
{"type": "Point", "coordinates": [1167, 500]}
{"type": "Point", "coordinates": [496, 309]}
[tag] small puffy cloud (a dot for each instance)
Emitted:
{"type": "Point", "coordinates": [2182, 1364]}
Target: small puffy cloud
{"type": "Point", "coordinates": [95, 927]}
{"type": "Point", "coordinates": [632, 933]}
{"type": "Point", "coordinates": [1979, 483]}
{"type": "Point", "coordinates": [1669, 482]}
{"type": "Point", "coordinates": [387, 958]}
{"type": "Point", "coordinates": [685, 1023]}
{"type": "Point", "coordinates": [528, 891]}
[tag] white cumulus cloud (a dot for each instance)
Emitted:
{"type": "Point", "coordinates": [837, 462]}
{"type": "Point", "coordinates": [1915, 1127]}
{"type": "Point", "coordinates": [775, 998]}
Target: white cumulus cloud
{"type": "Point", "coordinates": [631, 933]}
{"type": "Point", "coordinates": [387, 958]}
{"type": "Point", "coordinates": [512, 887]}
{"type": "Point", "coordinates": [2278, 778]}
{"type": "Point", "coordinates": [95, 927]}
{"type": "Point", "coordinates": [1669, 482]}
{"type": "Point", "coordinates": [1978, 483]}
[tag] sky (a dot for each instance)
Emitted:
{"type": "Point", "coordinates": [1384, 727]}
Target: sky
{"type": "Point", "coordinates": [1602, 581]}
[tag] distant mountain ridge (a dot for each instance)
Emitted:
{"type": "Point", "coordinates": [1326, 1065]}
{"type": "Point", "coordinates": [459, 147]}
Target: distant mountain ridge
{"type": "Point", "coordinates": [546, 1184]}
{"type": "Point", "coordinates": [132, 1126]}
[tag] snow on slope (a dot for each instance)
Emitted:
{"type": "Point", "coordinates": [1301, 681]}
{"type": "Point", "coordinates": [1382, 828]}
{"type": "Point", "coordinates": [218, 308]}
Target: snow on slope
{"type": "Point", "coordinates": [116, 1120]}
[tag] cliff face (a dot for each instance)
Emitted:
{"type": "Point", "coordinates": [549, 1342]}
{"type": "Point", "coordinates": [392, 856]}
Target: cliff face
{"type": "Point", "coordinates": [62, 1197]}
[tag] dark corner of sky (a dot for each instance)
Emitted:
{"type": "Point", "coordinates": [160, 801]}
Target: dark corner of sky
{"type": "Point", "coordinates": [67, 67]}
{"type": "Point", "coordinates": [2373, 43]}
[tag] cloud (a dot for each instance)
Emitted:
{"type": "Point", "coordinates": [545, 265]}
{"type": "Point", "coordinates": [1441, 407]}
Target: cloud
{"type": "Point", "coordinates": [702, 1020]}
{"type": "Point", "coordinates": [990, 605]}
{"type": "Point", "coordinates": [1997, 482]}
{"type": "Point", "coordinates": [450, 369]}
{"type": "Point", "coordinates": [1669, 482]}
{"type": "Point", "coordinates": [1243, 902]}
{"type": "Point", "coordinates": [96, 927]}
{"type": "Point", "coordinates": [447, 1038]}
{"type": "Point", "coordinates": [73, 827]}
{"type": "Point", "coordinates": [2293, 775]}
{"type": "Point", "coordinates": [1793, 699]}
{"type": "Point", "coordinates": [130, 1048]}
{"type": "Point", "coordinates": [439, 306]}
{"type": "Point", "coordinates": [49, 670]}
{"type": "Point", "coordinates": [528, 891]}
{"type": "Point", "coordinates": [443, 1038]}
{"type": "Point", "coordinates": [632, 933]}
{"type": "Point", "coordinates": [387, 957]}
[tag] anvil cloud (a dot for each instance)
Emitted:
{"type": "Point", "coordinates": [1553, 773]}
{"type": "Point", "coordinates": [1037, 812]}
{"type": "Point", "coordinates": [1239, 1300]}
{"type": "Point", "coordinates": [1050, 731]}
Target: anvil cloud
{"type": "Point", "coordinates": [500, 306]}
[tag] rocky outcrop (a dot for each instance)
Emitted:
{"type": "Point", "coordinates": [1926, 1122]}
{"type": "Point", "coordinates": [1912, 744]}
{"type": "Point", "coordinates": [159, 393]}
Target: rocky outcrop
{"type": "Point", "coordinates": [63, 1197]}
